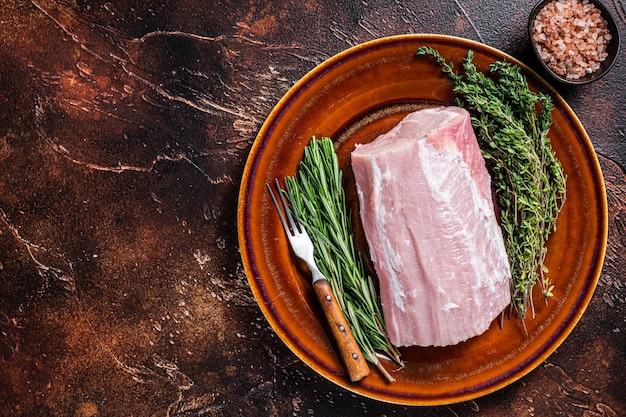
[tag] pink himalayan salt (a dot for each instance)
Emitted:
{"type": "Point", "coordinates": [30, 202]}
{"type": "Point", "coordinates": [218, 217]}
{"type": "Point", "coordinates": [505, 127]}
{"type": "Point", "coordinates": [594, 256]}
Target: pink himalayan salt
{"type": "Point", "coordinates": [571, 37]}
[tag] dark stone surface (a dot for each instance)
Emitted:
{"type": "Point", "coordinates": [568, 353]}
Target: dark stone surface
{"type": "Point", "coordinates": [124, 129]}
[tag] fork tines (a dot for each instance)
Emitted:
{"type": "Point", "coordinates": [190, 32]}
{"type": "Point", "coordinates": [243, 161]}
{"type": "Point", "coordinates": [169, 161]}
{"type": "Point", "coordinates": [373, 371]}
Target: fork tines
{"type": "Point", "coordinates": [286, 212]}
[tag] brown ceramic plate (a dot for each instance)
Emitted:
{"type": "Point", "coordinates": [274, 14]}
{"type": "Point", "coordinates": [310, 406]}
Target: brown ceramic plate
{"type": "Point", "coordinates": [353, 97]}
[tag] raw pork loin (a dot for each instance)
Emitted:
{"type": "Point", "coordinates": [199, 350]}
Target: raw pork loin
{"type": "Point", "coordinates": [428, 216]}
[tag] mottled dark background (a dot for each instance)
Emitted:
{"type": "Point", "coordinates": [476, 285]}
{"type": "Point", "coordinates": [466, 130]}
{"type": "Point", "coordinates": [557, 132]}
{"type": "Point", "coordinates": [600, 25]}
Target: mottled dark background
{"type": "Point", "coordinates": [124, 129]}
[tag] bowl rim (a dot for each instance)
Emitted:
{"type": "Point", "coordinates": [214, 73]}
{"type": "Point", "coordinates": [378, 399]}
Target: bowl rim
{"type": "Point", "coordinates": [614, 45]}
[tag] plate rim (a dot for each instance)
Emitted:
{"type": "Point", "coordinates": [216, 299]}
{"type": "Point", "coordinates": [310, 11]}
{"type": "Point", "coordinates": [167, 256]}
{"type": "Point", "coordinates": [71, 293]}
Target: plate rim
{"type": "Point", "coordinates": [244, 217]}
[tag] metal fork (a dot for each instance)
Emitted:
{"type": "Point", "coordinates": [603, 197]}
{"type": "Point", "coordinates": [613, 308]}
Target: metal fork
{"type": "Point", "coordinates": [302, 247]}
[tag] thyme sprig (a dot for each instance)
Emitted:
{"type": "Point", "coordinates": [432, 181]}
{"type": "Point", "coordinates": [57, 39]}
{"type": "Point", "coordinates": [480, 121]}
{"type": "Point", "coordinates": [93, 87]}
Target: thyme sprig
{"type": "Point", "coordinates": [320, 202]}
{"type": "Point", "coordinates": [512, 124]}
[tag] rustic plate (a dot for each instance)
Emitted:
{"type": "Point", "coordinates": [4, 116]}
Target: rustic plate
{"type": "Point", "coordinates": [353, 97]}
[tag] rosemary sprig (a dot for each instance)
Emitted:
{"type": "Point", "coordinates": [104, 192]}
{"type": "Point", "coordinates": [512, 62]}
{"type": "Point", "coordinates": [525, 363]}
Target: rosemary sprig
{"type": "Point", "coordinates": [320, 202]}
{"type": "Point", "coordinates": [511, 124]}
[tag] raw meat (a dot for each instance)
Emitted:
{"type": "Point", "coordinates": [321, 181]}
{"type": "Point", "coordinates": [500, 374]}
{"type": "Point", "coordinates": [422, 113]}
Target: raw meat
{"type": "Point", "coordinates": [428, 216]}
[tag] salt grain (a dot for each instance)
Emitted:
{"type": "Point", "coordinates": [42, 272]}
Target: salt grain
{"type": "Point", "coordinates": [571, 37]}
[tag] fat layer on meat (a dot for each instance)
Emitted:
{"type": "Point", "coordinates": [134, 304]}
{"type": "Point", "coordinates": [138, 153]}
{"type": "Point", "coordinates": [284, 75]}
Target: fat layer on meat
{"type": "Point", "coordinates": [428, 216]}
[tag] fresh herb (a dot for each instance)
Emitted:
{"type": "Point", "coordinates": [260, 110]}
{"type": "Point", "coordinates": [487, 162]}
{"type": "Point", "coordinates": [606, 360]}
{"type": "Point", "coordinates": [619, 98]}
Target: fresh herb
{"type": "Point", "coordinates": [320, 202]}
{"type": "Point", "coordinates": [511, 124]}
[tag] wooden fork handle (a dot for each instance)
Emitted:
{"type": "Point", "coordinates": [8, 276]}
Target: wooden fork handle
{"type": "Point", "coordinates": [349, 350]}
